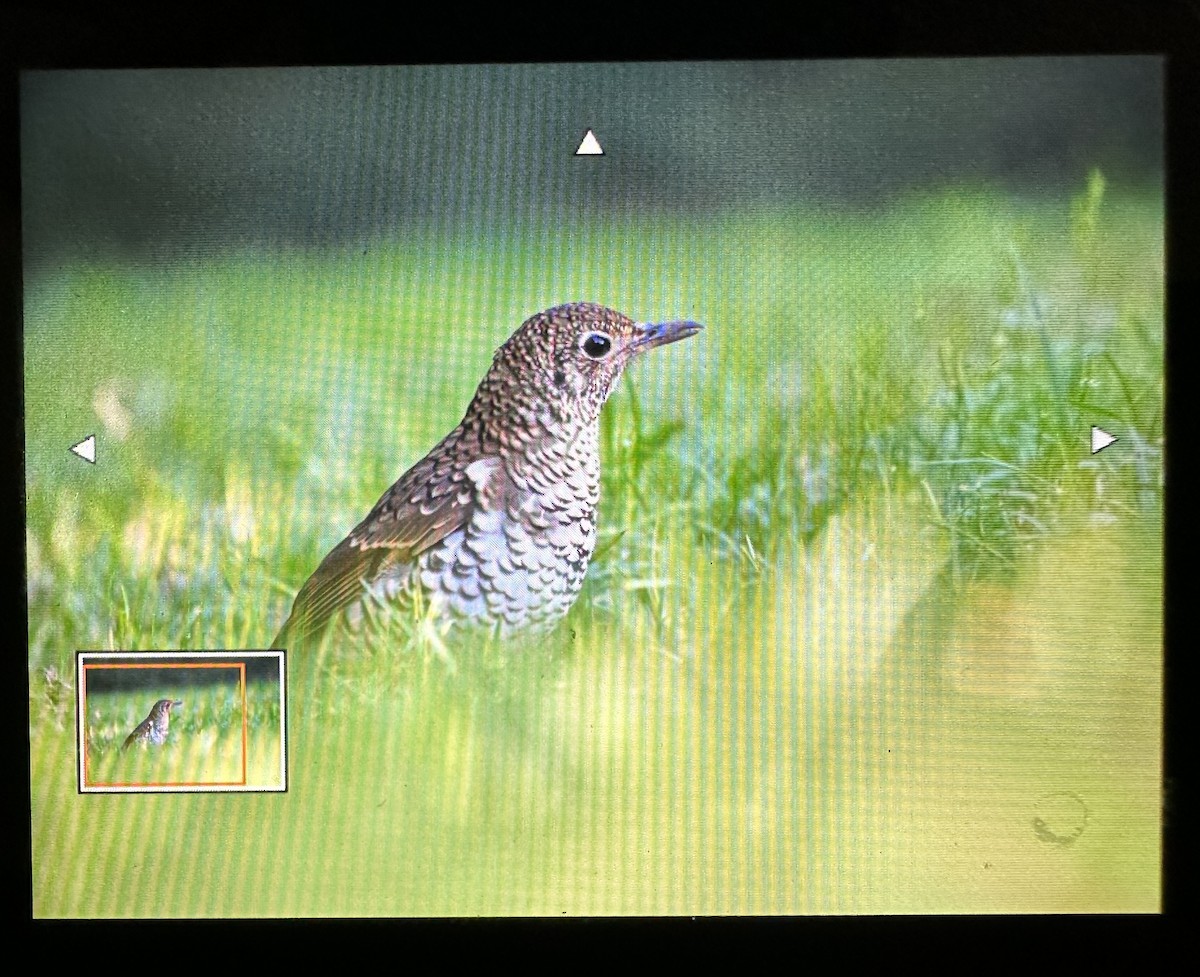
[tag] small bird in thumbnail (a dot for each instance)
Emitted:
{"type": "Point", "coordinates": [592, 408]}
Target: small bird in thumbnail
{"type": "Point", "coordinates": [154, 728]}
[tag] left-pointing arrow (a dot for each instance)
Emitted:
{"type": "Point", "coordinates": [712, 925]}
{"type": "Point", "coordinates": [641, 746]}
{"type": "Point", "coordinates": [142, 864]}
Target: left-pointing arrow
{"type": "Point", "coordinates": [86, 449]}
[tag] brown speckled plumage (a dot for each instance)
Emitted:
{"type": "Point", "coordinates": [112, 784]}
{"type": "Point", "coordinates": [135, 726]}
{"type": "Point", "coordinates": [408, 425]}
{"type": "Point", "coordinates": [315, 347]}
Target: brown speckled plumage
{"type": "Point", "coordinates": [496, 525]}
{"type": "Point", "coordinates": [153, 729]}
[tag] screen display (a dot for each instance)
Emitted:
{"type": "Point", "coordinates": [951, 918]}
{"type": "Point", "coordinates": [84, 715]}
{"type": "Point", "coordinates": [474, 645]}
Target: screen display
{"type": "Point", "coordinates": [595, 489]}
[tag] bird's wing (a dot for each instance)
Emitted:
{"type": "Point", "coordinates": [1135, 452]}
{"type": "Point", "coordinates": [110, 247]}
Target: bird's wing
{"type": "Point", "coordinates": [431, 500]}
{"type": "Point", "coordinates": [137, 731]}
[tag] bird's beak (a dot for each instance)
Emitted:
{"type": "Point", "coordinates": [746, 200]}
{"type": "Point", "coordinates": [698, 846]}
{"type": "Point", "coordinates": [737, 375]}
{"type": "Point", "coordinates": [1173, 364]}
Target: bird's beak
{"type": "Point", "coordinates": [176, 702]}
{"type": "Point", "coordinates": [660, 333]}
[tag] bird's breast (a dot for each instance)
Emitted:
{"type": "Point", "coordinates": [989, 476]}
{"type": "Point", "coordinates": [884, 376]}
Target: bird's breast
{"type": "Point", "coordinates": [518, 565]}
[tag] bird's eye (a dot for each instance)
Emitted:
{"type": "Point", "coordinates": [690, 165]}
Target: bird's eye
{"type": "Point", "coordinates": [597, 346]}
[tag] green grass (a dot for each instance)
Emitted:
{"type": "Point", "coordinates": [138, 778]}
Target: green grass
{"type": "Point", "coordinates": [862, 601]}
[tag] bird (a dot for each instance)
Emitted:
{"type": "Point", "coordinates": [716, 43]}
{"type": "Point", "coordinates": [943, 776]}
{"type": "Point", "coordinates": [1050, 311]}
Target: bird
{"type": "Point", "coordinates": [493, 529]}
{"type": "Point", "coordinates": [153, 729]}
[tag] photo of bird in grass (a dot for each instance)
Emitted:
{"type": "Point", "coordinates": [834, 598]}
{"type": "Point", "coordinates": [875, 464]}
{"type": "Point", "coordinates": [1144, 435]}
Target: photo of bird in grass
{"type": "Point", "coordinates": [831, 607]}
{"type": "Point", "coordinates": [496, 525]}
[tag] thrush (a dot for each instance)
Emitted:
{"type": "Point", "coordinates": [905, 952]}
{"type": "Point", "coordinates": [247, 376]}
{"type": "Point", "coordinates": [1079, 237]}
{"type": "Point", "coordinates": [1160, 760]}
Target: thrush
{"type": "Point", "coordinates": [153, 729]}
{"type": "Point", "coordinates": [494, 527]}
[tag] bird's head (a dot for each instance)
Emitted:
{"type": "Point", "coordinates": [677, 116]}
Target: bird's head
{"type": "Point", "coordinates": [164, 706]}
{"type": "Point", "coordinates": [570, 357]}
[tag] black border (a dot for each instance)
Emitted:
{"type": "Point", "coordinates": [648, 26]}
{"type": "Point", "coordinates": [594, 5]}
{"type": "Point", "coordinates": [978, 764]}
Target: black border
{"type": "Point", "coordinates": [216, 35]}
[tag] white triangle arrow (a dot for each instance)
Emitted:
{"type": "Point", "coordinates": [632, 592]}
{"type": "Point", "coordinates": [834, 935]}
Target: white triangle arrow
{"type": "Point", "coordinates": [86, 449]}
{"type": "Point", "coordinates": [1101, 439]}
{"type": "Point", "coordinates": [590, 145]}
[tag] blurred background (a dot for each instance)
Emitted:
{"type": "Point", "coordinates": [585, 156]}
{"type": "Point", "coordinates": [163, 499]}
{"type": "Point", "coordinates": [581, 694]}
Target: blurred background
{"type": "Point", "coordinates": [156, 164]}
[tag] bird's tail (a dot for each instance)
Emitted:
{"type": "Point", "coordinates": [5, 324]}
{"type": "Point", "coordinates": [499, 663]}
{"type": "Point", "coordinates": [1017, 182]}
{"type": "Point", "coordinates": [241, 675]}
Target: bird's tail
{"type": "Point", "coordinates": [283, 638]}
{"type": "Point", "coordinates": [297, 630]}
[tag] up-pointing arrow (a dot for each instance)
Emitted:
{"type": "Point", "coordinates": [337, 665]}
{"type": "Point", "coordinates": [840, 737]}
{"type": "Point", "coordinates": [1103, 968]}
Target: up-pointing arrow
{"type": "Point", "coordinates": [590, 146]}
{"type": "Point", "coordinates": [1101, 439]}
{"type": "Point", "coordinates": [86, 449]}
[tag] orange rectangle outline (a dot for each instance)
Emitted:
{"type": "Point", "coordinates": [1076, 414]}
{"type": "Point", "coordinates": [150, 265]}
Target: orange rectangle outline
{"type": "Point", "coordinates": [240, 666]}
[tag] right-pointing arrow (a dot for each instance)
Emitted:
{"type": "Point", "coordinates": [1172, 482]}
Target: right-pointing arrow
{"type": "Point", "coordinates": [1100, 439]}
